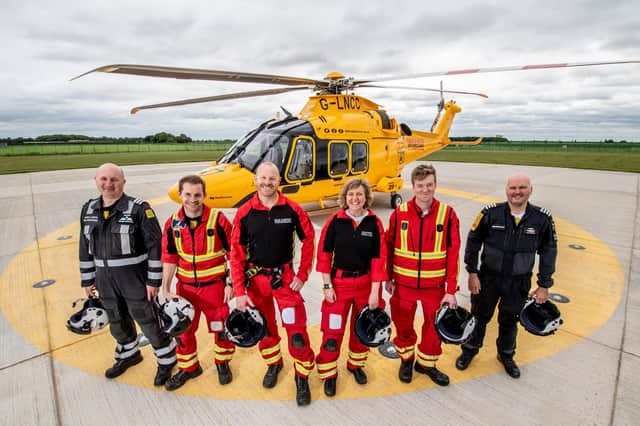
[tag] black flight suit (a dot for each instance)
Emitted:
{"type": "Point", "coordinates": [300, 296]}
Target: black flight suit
{"type": "Point", "coordinates": [121, 256]}
{"type": "Point", "coordinates": [508, 258]}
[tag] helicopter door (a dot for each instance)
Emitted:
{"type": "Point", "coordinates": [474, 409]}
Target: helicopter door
{"type": "Point", "coordinates": [302, 164]}
{"type": "Point", "coordinates": [339, 153]}
{"type": "Point", "coordinates": [359, 157]}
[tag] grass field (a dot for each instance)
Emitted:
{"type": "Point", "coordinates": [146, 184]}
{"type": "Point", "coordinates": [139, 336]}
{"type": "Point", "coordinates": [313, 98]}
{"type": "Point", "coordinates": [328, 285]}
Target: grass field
{"type": "Point", "coordinates": [614, 161]}
{"type": "Point", "coordinates": [39, 163]}
{"type": "Point", "coordinates": [598, 156]}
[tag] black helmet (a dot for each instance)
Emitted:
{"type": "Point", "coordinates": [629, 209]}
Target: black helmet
{"type": "Point", "coordinates": [91, 317]}
{"type": "Point", "coordinates": [540, 319]}
{"type": "Point", "coordinates": [176, 315]}
{"type": "Point", "coordinates": [454, 325]}
{"type": "Point", "coordinates": [245, 329]}
{"type": "Point", "coordinates": [373, 327]}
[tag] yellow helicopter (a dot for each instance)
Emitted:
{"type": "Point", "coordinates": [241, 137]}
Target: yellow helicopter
{"type": "Point", "coordinates": [336, 136]}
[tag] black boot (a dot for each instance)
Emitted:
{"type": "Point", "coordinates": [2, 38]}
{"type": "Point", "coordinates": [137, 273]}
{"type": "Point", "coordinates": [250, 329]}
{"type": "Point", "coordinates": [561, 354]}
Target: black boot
{"type": "Point", "coordinates": [303, 394]}
{"type": "Point", "coordinates": [122, 365]}
{"type": "Point", "coordinates": [509, 365]}
{"type": "Point", "coordinates": [464, 360]}
{"type": "Point", "coordinates": [271, 376]}
{"type": "Point", "coordinates": [406, 371]}
{"type": "Point", "coordinates": [224, 373]}
{"type": "Point", "coordinates": [180, 378]}
{"type": "Point", "coordinates": [438, 377]}
{"type": "Point", "coordinates": [162, 374]}
{"type": "Point", "coordinates": [330, 386]}
{"type": "Point", "coordinates": [360, 375]}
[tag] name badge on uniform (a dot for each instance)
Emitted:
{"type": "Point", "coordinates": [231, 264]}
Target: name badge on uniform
{"type": "Point", "coordinates": [125, 219]}
{"type": "Point", "coordinates": [366, 233]}
{"type": "Point", "coordinates": [499, 227]}
{"type": "Point", "coordinates": [530, 231]}
{"type": "Point", "coordinates": [281, 220]}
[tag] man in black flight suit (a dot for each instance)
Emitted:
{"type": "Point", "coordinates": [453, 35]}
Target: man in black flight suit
{"type": "Point", "coordinates": [120, 247]}
{"type": "Point", "coordinates": [510, 234]}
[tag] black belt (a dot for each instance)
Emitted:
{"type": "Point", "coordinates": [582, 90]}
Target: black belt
{"type": "Point", "coordinates": [341, 273]}
{"type": "Point", "coordinates": [205, 284]}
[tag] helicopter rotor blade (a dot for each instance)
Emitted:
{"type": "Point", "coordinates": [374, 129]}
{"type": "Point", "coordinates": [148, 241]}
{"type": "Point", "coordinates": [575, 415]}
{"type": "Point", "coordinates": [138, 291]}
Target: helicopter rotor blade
{"type": "Point", "coordinates": [494, 69]}
{"type": "Point", "coordinates": [236, 95]}
{"type": "Point", "coordinates": [424, 89]}
{"type": "Point", "coordinates": [201, 74]}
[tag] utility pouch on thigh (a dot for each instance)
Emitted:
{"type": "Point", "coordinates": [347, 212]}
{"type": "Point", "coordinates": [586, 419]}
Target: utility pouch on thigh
{"type": "Point", "coordinates": [276, 278]}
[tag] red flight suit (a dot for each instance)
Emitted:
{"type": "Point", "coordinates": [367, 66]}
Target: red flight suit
{"type": "Point", "coordinates": [199, 254]}
{"type": "Point", "coordinates": [423, 256]}
{"type": "Point", "coordinates": [355, 255]}
{"type": "Point", "coordinates": [263, 238]}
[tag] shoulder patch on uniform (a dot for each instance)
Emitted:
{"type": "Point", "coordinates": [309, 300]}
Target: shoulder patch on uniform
{"type": "Point", "coordinates": [477, 220]}
{"type": "Point", "coordinates": [545, 211]}
{"type": "Point", "coordinates": [488, 207]}
{"type": "Point", "coordinates": [149, 213]}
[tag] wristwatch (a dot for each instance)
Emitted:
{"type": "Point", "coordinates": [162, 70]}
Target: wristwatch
{"type": "Point", "coordinates": [327, 286]}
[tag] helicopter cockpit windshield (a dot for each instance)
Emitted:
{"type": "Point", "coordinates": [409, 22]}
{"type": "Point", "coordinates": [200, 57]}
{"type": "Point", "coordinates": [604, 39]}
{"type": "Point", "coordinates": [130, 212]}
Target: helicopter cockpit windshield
{"type": "Point", "coordinates": [269, 142]}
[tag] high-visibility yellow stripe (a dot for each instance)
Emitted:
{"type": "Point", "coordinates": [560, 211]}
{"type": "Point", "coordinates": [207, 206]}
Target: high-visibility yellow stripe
{"type": "Point", "coordinates": [416, 255]}
{"type": "Point", "coordinates": [273, 359]}
{"type": "Point", "coordinates": [328, 374]}
{"type": "Point", "coordinates": [223, 357]}
{"type": "Point", "coordinates": [442, 209]}
{"type": "Point", "coordinates": [186, 357]}
{"type": "Point", "coordinates": [327, 365]}
{"type": "Point", "coordinates": [187, 364]}
{"type": "Point", "coordinates": [302, 369]}
{"type": "Point", "coordinates": [423, 274]}
{"type": "Point", "coordinates": [220, 349]}
{"type": "Point", "coordinates": [358, 355]}
{"type": "Point", "coordinates": [204, 272]}
{"type": "Point", "coordinates": [200, 258]}
{"type": "Point", "coordinates": [268, 351]}
{"type": "Point", "coordinates": [211, 241]}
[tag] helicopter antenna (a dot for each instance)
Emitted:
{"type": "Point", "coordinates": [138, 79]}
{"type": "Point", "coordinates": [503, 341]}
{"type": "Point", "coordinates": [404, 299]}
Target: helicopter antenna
{"type": "Point", "coordinates": [440, 108]}
{"type": "Point", "coordinates": [287, 113]}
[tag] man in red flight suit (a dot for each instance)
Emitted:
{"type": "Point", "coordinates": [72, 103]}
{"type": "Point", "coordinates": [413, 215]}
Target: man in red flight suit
{"type": "Point", "coordinates": [262, 244]}
{"type": "Point", "coordinates": [423, 244]}
{"type": "Point", "coordinates": [194, 244]}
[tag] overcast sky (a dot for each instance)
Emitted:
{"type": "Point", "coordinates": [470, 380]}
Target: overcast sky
{"type": "Point", "coordinates": [46, 43]}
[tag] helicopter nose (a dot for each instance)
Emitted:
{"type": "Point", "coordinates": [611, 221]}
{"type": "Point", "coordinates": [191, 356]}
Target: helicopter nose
{"type": "Point", "coordinates": [173, 194]}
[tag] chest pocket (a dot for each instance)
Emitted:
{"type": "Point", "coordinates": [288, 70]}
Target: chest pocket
{"type": "Point", "coordinates": [122, 241]}
{"type": "Point", "coordinates": [87, 230]}
{"type": "Point", "coordinates": [527, 239]}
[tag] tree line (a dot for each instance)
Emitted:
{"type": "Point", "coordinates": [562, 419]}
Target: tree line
{"type": "Point", "coordinates": [162, 137]}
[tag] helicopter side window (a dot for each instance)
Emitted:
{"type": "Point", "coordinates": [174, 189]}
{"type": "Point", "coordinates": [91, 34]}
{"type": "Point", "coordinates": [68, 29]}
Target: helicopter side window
{"type": "Point", "coordinates": [359, 157]}
{"type": "Point", "coordinates": [275, 152]}
{"type": "Point", "coordinates": [302, 165]}
{"type": "Point", "coordinates": [338, 158]}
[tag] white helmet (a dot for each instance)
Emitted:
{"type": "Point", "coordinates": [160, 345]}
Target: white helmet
{"type": "Point", "coordinates": [373, 327]}
{"type": "Point", "coordinates": [454, 325]}
{"type": "Point", "coordinates": [540, 319]}
{"type": "Point", "coordinates": [176, 315]}
{"type": "Point", "coordinates": [92, 317]}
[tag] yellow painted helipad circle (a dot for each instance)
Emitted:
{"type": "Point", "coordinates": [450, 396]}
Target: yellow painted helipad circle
{"type": "Point", "coordinates": [592, 279]}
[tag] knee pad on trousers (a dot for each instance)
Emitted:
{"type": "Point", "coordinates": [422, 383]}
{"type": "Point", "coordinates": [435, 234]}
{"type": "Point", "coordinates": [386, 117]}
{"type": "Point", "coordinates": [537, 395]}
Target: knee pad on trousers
{"type": "Point", "coordinates": [297, 341]}
{"type": "Point", "coordinates": [331, 345]}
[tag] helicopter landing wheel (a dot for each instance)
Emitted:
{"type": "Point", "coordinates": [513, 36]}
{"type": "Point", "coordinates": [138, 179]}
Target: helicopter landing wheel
{"type": "Point", "coordinates": [396, 200]}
